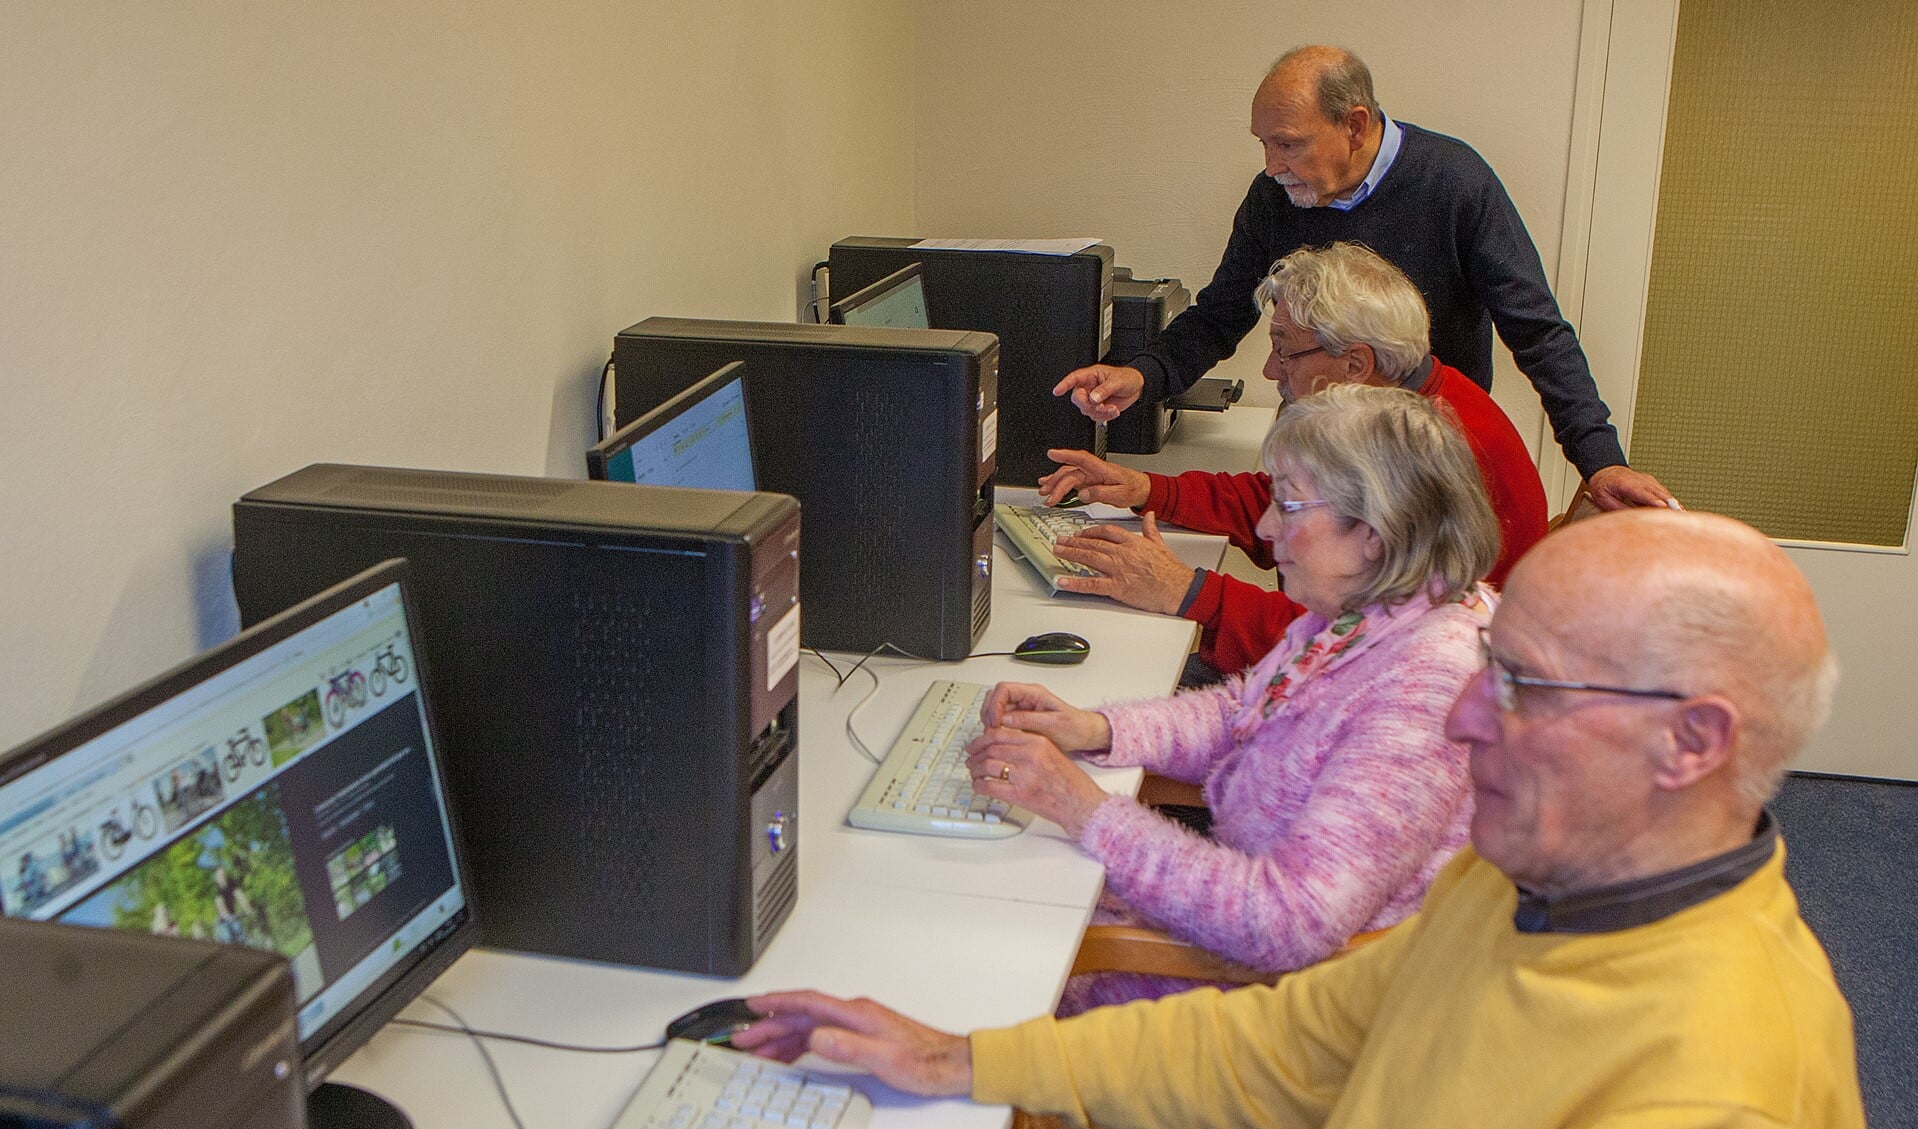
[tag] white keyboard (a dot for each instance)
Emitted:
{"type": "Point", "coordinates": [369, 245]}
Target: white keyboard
{"type": "Point", "coordinates": [923, 787]}
{"type": "Point", "coordinates": [700, 1086]}
{"type": "Point", "coordinates": [1033, 529]}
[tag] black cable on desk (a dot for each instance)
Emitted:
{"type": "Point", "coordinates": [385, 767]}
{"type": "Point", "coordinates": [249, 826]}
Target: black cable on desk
{"type": "Point", "coordinates": [486, 1056]}
{"type": "Point", "coordinates": [529, 1040]}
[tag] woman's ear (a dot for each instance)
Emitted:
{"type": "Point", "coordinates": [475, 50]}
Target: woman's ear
{"type": "Point", "coordinates": [1374, 544]}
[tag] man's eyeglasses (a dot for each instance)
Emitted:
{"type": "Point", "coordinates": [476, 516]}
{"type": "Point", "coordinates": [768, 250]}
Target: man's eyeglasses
{"type": "Point", "coordinates": [1506, 681]}
{"type": "Point", "coordinates": [1285, 359]}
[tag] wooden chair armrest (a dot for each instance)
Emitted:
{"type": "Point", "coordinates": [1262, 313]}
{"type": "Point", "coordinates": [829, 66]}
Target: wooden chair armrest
{"type": "Point", "coordinates": [1130, 948]}
{"type": "Point", "coordinates": [1582, 507]}
{"type": "Point", "coordinates": [1156, 790]}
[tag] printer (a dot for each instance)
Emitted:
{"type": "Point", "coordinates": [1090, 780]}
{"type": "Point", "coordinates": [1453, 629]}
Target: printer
{"type": "Point", "coordinates": [110, 1028]}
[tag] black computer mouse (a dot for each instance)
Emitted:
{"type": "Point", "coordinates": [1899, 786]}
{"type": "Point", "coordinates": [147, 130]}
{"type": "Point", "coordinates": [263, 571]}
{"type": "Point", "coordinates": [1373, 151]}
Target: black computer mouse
{"type": "Point", "coordinates": [1061, 648]}
{"type": "Point", "coordinates": [714, 1022]}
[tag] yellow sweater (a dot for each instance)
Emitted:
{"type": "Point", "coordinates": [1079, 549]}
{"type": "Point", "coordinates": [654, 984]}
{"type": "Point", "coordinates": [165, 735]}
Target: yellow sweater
{"type": "Point", "coordinates": [1723, 1014]}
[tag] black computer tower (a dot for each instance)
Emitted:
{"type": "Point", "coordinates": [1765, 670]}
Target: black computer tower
{"type": "Point", "coordinates": [103, 1027]}
{"type": "Point", "coordinates": [616, 677]}
{"type": "Point", "coordinates": [1141, 307]}
{"type": "Point", "coordinates": [1051, 313]}
{"type": "Point", "coordinates": [886, 437]}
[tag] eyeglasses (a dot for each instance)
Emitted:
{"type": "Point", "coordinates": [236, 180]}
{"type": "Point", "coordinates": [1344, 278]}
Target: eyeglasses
{"type": "Point", "coordinates": [1292, 509]}
{"type": "Point", "coordinates": [1506, 681]}
{"type": "Point", "coordinates": [1285, 359]}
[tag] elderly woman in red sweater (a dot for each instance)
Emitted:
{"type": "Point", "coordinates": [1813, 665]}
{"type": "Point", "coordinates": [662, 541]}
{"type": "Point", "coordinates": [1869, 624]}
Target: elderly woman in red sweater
{"type": "Point", "coordinates": [1339, 315]}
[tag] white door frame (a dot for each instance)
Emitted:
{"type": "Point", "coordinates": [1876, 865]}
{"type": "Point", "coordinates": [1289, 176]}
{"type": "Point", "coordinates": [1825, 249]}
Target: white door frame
{"type": "Point", "coordinates": [1624, 70]}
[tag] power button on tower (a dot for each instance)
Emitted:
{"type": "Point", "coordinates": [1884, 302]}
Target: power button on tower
{"type": "Point", "coordinates": [777, 835]}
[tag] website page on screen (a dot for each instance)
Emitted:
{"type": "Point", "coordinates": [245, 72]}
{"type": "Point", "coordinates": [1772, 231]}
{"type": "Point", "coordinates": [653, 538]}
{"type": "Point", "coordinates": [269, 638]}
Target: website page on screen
{"type": "Point", "coordinates": [289, 803]}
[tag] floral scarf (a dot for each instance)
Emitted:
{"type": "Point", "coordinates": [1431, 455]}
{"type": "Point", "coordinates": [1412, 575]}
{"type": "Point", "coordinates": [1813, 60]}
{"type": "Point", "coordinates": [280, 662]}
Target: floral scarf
{"type": "Point", "coordinates": [1313, 647]}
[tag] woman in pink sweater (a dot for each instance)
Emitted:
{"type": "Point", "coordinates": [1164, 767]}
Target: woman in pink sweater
{"type": "Point", "coordinates": [1335, 796]}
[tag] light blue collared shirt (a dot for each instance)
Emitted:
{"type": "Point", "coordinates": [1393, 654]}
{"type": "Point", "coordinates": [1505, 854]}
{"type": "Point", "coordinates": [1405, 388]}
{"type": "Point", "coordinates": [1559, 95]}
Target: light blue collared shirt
{"type": "Point", "coordinates": [1388, 152]}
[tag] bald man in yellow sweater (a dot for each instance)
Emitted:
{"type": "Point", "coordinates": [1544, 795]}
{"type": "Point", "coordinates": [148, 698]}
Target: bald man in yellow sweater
{"type": "Point", "coordinates": [1618, 947]}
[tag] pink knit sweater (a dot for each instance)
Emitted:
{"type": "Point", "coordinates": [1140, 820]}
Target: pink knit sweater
{"type": "Point", "coordinates": [1329, 821]}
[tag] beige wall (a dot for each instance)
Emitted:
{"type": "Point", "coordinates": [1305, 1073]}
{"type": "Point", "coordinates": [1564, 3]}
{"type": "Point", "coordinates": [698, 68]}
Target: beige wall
{"type": "Point", "coordinates": [238, 238]}
{"type": "Point", "coordinates": [1129, 119]}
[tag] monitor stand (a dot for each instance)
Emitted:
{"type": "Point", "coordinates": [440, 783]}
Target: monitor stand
{"type": "Point", "coordinates": [336, 1105]}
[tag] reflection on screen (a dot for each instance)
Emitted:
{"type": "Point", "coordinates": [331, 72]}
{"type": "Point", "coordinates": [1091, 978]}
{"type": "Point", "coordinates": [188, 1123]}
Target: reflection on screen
{"type": "Point", "coordinates": [288, 802]}
{"type": "Point", "coordinates": [706, 445]}
{"type": "Point", "coordinates": [898, 307]}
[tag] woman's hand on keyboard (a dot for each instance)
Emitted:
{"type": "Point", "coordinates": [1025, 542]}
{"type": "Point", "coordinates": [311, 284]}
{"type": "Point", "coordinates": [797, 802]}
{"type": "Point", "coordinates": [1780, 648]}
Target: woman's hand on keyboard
{"type": "Point", "coordinates": [1024, 705]}
{"type": "Point", "coordinates": [1094, 478]}
{"type": "Point", "coordinates": [1027, 770]}
{"type": "Point", "coordinates": [903, 1054]}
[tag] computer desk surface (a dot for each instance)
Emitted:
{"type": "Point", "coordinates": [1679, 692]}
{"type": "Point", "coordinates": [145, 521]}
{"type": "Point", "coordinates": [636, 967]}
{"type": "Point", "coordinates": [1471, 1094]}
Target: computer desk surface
{"type": "Point", "coordinates": [957, 933]}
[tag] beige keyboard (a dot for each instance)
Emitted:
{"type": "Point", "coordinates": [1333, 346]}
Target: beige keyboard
{"type": "Point", "coordinates": [923, 786]}
{"type": "Point", "coordinates": [700, 1086]}
{"type": "Point", "coordinates": [1032, 531]}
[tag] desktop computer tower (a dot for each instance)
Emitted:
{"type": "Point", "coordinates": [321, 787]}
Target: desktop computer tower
{"type": "Point", "coordinates": [616, 671]}
{"type": "Point", "coordinates": [105, 1027]}
{"type": "Point", "coordinates": [886, 437]}
{"type": "Point", "coordinates": [1051, 313]}
{"type": "Point", "coordinates": [1141, 307]}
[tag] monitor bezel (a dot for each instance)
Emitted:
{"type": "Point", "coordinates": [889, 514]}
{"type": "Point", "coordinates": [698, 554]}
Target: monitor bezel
{"type": "Point", "coordinates": [379, 1002]}
{"type": "Point", "coordinates": [868, 293]}
{"type": "Point", "coordinates": [601, 453]}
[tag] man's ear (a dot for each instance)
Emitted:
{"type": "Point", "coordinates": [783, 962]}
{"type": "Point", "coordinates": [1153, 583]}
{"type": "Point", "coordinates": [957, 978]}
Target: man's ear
{"type": "Point", "coordinates": [1361, 363]}
{"type": "Point", "coordinates": [1704, 734]}
{"type": "Point", "coordinates": [1358, 122]}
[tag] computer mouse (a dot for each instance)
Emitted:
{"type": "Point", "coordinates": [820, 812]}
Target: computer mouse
{"type": "Point", "coordinates": [1061, 648]}
{"type": "Point", "coordinates": [714, 1022]}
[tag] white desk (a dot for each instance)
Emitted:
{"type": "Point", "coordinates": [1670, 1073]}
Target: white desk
{"type": "Point", "coordinates": [960, 934]}
{"type": "Point", "coordinates": [1223, 441]}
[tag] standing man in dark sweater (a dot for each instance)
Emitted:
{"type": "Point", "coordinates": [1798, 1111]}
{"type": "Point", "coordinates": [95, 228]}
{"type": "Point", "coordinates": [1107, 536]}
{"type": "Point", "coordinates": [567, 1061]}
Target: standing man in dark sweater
{"type": "Point", "coordinates": [1336, 168]}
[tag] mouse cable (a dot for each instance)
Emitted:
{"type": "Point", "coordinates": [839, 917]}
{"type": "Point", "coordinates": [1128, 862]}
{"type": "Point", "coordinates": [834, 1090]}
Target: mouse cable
{"type": "Point", "coordinates": [529, 1040]}
{"type": "Point", "coordinates": [841, 676]}
{"type": "Point", "coordinates": [486, 1056]}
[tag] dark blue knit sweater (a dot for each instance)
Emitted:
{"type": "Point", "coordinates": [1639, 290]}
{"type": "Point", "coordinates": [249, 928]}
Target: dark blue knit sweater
{"type": "Point", "coordinates": [1440, 215]}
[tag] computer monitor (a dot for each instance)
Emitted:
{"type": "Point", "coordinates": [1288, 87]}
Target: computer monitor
{"type": "Point", "coordinates": [282, 791]}
{"type": "Point", "coordinates": [698, 438]}
{"type": "Point", "coordinates": [897, 301]}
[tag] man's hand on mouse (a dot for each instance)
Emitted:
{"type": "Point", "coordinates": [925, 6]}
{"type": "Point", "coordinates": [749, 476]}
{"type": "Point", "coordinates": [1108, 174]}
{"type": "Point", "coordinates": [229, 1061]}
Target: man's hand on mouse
{"type": "Point", "coordinates": [1136, 569]}
{"type": "Point", "coordinates": [1095, 479]}
{"type": "Point", "coordinates": [1102, 391]}
{"type": "Point", "coordinates": [903, 1054]}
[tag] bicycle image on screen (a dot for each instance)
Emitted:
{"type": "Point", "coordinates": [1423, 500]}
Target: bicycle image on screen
{"type": "Point", "coordinates": [345, 690]}
{"type": "Point", "coordinates": [388, 663]}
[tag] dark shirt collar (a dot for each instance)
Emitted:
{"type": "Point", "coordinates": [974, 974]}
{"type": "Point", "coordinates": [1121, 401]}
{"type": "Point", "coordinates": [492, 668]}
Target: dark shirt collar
{"type": "Point", "coordinates": [1414, 381]}
{"type": "Point", "coordinates": [1642, 901]}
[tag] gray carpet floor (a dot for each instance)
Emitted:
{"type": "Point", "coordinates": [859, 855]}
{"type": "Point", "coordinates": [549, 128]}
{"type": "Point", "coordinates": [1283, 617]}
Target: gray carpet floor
{"type": "Point", "coordinates": [1852, 856]}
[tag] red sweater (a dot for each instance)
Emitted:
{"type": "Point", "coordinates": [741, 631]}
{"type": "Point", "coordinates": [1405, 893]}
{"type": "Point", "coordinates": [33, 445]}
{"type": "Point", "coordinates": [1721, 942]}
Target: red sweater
{"type": "Point", "coordinates": [1242, 621]}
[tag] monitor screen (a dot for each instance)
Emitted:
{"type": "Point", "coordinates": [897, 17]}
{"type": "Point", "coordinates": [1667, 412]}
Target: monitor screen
{"type": "Point", "coordinates": [698, 438]}
{"type": "Point", "coordinates": [282, 791]}
{"type": "Point", "coordinates": [897, 301]}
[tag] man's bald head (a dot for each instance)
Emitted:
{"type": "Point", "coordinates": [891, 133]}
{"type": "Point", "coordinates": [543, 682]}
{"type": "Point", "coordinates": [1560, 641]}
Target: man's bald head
{"type": "Point", "coordinates": [1697, 603]}
{"type": "Point", "coordinates": [1332, 78]}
